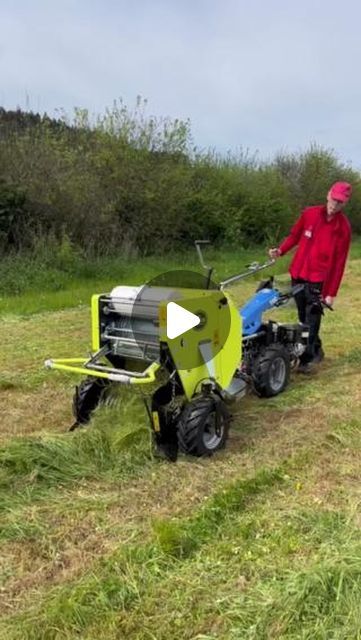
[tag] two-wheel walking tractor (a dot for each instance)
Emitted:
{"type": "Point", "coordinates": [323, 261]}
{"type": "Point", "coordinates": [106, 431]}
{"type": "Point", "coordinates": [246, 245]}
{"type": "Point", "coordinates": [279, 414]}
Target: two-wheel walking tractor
{"type": "Point", "coordinates": [188, 382]}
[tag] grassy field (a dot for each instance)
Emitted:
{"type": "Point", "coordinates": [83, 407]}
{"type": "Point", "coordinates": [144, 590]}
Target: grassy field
{"type": "Point", "coordinates": [99, 540]}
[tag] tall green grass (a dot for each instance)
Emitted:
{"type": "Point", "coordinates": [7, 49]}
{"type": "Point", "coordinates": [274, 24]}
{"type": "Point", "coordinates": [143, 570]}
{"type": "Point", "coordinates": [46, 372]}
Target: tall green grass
{"type": "Point", "coordinates": [32, 284]}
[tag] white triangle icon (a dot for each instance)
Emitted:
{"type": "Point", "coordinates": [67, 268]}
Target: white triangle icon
{"type": "Point", "coordinates": [179, 320]}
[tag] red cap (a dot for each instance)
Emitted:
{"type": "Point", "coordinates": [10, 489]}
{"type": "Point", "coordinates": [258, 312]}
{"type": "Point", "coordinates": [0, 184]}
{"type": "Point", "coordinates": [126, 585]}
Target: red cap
{"type": "Point", "coordinates": [341, 191]}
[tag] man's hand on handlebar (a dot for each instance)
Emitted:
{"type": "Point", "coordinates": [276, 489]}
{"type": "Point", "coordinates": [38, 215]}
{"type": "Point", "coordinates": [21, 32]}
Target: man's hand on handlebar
{"type": "Point", "coordinates": [329, 301]}
{"type": "Point", "coordinates": [274, 253]}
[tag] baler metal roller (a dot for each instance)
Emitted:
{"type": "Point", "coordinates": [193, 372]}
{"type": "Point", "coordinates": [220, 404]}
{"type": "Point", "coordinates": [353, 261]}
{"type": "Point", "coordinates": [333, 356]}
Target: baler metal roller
{"type": "Point", "coordinates": [140, 302]}
{"type": "Point", "coordinates": [133, 328]}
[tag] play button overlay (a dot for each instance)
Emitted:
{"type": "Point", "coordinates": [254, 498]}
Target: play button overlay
{"type": "Point", "coordinates": [180, 313]}
{"type": "Point", "coordinates": [179, 320]}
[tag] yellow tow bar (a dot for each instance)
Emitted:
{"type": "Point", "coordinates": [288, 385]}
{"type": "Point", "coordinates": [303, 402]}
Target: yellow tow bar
{"type": "Point", "coordinates": [124, 377]}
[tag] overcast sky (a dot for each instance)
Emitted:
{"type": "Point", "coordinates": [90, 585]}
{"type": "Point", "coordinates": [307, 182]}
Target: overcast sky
{"type": "Point", "coordinates": [254, 74]}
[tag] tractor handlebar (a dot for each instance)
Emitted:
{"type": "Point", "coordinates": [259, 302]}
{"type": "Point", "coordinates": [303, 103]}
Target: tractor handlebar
{"type": "Point", "coordinates": [252, 268]}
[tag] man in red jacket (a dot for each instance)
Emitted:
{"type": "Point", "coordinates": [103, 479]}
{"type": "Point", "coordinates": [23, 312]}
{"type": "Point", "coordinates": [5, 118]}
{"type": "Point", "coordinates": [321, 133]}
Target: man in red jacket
{"type": "Point", "coordinates": [322, 235]}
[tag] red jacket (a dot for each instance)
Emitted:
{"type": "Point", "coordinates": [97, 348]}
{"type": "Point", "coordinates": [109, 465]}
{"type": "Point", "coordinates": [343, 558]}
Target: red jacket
{"type": "Point", "coordinates": [322, 248]}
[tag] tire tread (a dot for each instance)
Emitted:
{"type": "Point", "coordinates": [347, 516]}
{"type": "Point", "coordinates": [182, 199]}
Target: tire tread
{"type": "Point", "coordinates": [86, 398]}
{"type": "Point", "coordinates": [263, 362]}
{"type": "Point", "coordinates": [192, 420]}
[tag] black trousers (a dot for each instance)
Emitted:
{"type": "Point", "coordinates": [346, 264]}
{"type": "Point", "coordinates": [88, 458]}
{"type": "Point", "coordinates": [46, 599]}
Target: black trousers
{"type": "Point", "coordinates": [310, 313]}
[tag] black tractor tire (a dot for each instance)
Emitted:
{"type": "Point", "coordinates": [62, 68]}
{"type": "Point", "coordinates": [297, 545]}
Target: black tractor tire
{"type": "Point", "coordinates": [271, 370]}
{"type": "Point", "coordinates": [88, 394]}
{"type": "Point", "coordinates": [203, 426]}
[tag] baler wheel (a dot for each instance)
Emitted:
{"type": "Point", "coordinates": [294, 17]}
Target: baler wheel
{"type": "Point", "coordinates": [86, 398]}
{"type": "Point", "coordinates": [203, 426]}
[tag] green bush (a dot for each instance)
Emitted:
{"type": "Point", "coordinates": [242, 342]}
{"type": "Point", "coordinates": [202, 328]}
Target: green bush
{"type": "Point", "coordinates": [261, 208]}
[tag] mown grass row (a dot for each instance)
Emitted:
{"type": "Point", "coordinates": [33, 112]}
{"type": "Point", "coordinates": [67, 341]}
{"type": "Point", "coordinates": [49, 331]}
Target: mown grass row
{"type": "Point", "coordinates": [276, 568]}
{"type": "Point", "coordinates": [249, 564]}
{"type": "Point", "coordinates": [267, 575]}
{"type": "Point", "coordinates": [119, 580]}
{"type": "Point", "coordinates": [115, 447]}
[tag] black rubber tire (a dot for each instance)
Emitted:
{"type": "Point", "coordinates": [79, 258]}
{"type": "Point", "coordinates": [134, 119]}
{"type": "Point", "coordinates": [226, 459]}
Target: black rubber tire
{"type": "Point", "coordinates": [86, 398]}
{"type": "Point", "coordinates": [272, 360]}
{"type": "Point", "coordinates": [196, 423]}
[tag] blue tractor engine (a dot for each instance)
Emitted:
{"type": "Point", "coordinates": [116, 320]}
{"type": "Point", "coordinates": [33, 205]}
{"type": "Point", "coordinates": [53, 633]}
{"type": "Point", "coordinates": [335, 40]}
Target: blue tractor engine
{"type": "Point", "coordinates": [270, 349]}
{"type": "Point", "coordinates": [252, 312]}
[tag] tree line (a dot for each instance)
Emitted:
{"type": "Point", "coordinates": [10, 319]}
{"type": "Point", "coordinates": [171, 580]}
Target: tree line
{"type": "Point", "coordinates": [129, 184]}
